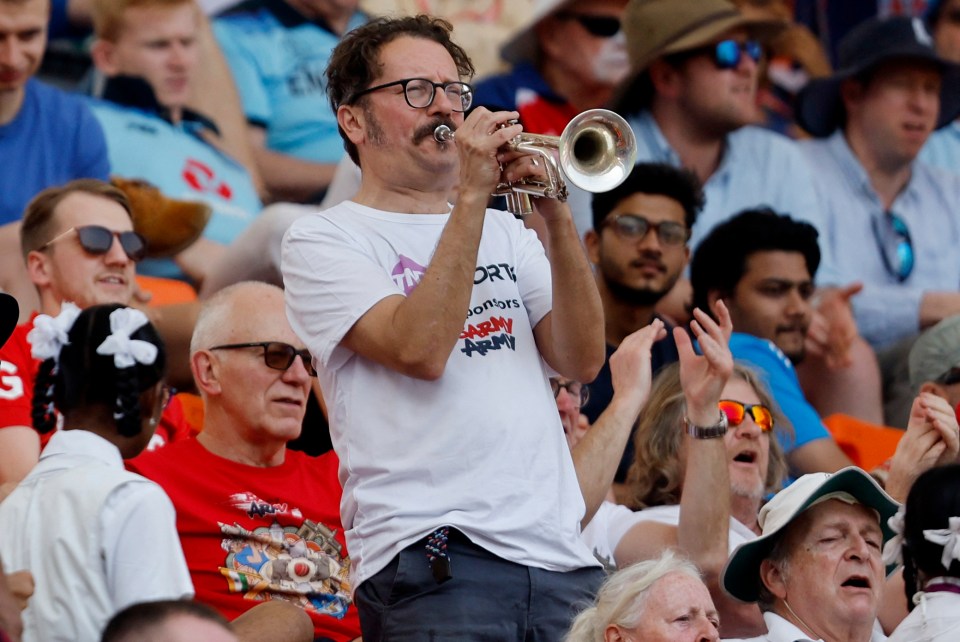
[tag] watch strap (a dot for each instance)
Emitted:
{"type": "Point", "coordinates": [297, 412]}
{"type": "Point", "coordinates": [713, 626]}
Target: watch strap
{"type": "Point", "coordinates": [718, 429]}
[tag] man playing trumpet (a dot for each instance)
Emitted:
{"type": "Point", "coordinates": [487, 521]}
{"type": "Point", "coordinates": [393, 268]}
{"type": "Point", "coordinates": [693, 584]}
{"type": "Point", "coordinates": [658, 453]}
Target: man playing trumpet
{"type": "Point", "coordinates": [434, 329]}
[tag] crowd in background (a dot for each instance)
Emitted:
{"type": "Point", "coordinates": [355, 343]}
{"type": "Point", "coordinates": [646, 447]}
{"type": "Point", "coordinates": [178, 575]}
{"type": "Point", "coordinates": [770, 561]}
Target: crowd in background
{"type": "Point", "coordinates": [279, 366]}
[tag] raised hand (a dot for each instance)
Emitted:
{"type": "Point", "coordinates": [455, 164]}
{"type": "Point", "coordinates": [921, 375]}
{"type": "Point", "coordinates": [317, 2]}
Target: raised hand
{"type": "Point", "coordinates": [703, 376]}
{"type": "Point", "coordinates": [931, 439]}
{"type": "Point", "coordinates": [630, 366]}
{"type": "Point", "coordinates": [481, 142]}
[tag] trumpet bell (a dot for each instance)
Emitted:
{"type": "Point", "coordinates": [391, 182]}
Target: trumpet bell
{"type": "Point", "coordinates": [597, 150]}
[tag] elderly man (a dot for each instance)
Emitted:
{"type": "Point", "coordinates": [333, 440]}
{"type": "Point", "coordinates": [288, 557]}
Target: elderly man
{"type": "Point", "coordinates": [453, 317]}
{"type": "Point", "coordinates": [257, 522]}
{"type": "Point", "coordinates": [79, 245]}
{"type": "Point", "coordinates": [816, 570]}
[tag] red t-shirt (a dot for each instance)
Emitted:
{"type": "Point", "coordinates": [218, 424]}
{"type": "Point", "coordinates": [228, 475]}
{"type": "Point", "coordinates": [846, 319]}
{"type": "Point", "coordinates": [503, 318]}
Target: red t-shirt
{"type": "Point", "coordinates": [18, 375]}
{"type": "Point", "coordinates": [252, 534]}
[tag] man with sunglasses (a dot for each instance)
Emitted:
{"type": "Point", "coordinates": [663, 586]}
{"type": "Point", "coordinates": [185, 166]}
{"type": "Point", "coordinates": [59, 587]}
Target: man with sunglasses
{"type": "Point", "coordinates": [691, 100]}
{"type": "Point", "coordinates": [434, 329]}
{"type": "Point", "coordinates": [761, 265]}
{"type": "Point", "coordinates": [79, 245]}
{"type": "Point", "coordinates": [257, 521]}
{"type": "Point", "coordinates": [568, 58]}
{"type": "Point", "coordinates": [638, 246]}
{"type": "Point", "coordinates": [889, 220]}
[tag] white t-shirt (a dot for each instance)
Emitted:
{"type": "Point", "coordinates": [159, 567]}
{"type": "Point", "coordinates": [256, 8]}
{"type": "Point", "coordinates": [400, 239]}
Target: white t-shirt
{"type": "Point", "coordinates": [603, 535]}
{"type": "Point", "coordinates": [481, 448]}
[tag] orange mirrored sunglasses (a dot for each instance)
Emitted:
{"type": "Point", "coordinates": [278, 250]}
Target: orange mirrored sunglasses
{"type": "Point", "coordinates": [736, 411]}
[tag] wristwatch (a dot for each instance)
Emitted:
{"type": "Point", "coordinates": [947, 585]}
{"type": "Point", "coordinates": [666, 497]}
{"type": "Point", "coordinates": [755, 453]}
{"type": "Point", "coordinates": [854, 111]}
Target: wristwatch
{"type": "Point", "coordinates": [718, 429]}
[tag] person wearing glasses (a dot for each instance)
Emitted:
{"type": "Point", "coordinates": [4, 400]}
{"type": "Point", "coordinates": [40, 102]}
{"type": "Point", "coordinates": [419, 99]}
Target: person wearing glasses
{"type": "Point", "coordinates": [674, 486]}
{"type": "Point", "coordinates": [258, 522]}
{"type": "Point", "coordinates": [762, 265]}
{"type": "Point", "coordinates": [691, 100]}
{"type": "Point", "coordinates": [435, 329]}
{"type": "Point", "coordinates": [79, 246]}
{"type": "Point", "coordinates": [888, 219]}
{"type": "Point", "coordinates": [638, 247]}
{"type": "Point", "coordinates": [568, 58]}
{"type": "Point", "coordinates": [95, 536]}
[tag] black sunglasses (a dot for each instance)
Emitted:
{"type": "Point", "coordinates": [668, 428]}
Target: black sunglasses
{"type": "Point", "coordinates": [276, 354]}
{"type": "Point", "coordinates": [599, 26]}
{"type": "Point", "coordinates": [97, 239]}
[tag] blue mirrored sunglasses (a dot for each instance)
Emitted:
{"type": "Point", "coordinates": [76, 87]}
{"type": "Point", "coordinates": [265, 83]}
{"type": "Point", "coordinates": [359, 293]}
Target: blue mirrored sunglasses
{"type": "Point", "coordinates": [727, 53]}
{"type": "Point", "coordinates": [896, 245]}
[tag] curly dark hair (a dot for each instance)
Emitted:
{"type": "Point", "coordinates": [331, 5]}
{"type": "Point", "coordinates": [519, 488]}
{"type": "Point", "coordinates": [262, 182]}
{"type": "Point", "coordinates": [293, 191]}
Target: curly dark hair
{"type": "Point", "coordinates": [660, 179]}
{"type": "Point", "coordinates": [355, 62]}
{"type": "Point", "coordinates": [721, 258]}
{"type": "Point", "coordinates": [83, 378]}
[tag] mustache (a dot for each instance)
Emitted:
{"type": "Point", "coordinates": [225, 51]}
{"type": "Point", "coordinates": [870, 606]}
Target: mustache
{"type": "Point", "coordinates": [425, 132]}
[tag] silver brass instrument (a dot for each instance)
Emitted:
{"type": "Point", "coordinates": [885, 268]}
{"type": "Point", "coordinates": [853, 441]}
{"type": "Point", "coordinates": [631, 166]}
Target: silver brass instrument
{"type": "Point", "coordinates": [596, 152]}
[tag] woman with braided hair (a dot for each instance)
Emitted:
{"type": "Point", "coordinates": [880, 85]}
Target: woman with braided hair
{"type": "Point", "coordinates": [928, 545]}
{"type": "Point", "coordinates": [96, 537]}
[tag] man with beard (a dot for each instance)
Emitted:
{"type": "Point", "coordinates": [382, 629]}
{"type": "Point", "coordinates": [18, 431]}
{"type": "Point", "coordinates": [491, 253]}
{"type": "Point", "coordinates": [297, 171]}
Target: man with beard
{"type": "Point", "coordinates": [761, 265]}
{"type": "Point", "coordinates": [638, 246]}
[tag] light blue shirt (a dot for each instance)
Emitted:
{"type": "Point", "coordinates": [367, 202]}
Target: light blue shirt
{"type": "Point", "coordinates": [886, 310]}
{"type": "Point", "coordinates": [943, 148]}
{"type": "Point", "coordinates": [758, 168]}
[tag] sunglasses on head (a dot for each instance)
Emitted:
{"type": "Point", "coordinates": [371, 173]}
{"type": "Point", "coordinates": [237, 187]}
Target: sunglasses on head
{"type": "Point", "coordinates": [727, 53]}
{"type": "Point", "coordinates": [276, 354]}
{"type": "Point", "coordinates": [599, 26]}
{"type": "Point", "coordinates": [97, 240]}
{"type": "Point", "coordinates": [736, 412]}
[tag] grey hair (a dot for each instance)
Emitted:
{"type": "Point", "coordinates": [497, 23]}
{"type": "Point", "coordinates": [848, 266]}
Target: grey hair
{"type": "Point", "coordinates": [621, 601]}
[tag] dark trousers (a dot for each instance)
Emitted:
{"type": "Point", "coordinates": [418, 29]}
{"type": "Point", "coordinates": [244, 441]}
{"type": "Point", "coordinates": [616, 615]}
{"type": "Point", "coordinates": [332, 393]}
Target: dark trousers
{"type": "Point", "coordinates": [486, 599]}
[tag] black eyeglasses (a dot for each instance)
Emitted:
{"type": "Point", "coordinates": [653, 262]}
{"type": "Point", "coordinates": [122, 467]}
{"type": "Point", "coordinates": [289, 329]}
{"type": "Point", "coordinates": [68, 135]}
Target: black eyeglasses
{"type": "Point", "coordinates": [420, 92]}
{"type": "Point", "coordinates": [577, 390]}
{"type": "Point", "coordinates": [635, 227]}
{"type": "Point", "coordinates": [896, 245]}
{"type": "Point", "coordinates": [276, 354]}
{"type": "Point", "coordinates": [97, 240]}
{"type": "Point", "coordinates": [599, 26]}
{"type": "Point", "coordinates": [728, 53]}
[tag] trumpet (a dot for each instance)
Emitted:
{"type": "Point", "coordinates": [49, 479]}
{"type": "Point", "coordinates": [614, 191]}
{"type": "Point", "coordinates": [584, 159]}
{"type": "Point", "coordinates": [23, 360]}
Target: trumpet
{"type": "Point", "coordinates": [596, 152]}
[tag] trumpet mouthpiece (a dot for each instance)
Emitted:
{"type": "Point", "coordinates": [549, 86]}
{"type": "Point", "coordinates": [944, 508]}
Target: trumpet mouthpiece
{"type": "Point", "coordinates": [443, 134]}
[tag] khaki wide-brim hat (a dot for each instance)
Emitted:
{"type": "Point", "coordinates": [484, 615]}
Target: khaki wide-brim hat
{"type": "Point", "coordinates": [523, 47]}
{"type": "Point", "coordinates": [656, 28]}
{"type": "Point", "coordinates": [741, 574]}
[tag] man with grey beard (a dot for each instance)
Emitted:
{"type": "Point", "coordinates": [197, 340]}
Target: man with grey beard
{"type": "Point", "coordinates": [638, 246]}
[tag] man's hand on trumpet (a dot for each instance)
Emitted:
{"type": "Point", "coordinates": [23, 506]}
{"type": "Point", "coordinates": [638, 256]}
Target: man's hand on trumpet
{"type": "Point", "coordinates": [479, 140]}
